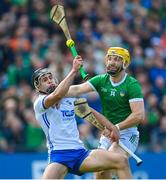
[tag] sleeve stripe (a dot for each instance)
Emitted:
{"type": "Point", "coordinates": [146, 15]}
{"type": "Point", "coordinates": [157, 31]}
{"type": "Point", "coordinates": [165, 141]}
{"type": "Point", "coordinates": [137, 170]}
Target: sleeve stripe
{"type": "Point", "coordinates": [43, 102]}
{"type": "Point", "coordinates": [136, 100]}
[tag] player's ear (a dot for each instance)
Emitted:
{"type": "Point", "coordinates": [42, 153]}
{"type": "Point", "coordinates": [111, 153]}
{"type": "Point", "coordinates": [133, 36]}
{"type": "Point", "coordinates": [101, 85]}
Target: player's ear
{"type": "Point", "coordinates": [37, 89]}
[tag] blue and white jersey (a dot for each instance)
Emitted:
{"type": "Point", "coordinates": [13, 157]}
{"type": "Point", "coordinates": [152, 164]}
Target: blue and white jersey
{"type": "Point", "coordinates": [58, 124]}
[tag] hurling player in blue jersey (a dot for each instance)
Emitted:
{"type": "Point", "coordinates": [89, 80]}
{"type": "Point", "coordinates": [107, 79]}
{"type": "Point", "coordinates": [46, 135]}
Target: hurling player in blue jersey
{"type": "Point", "coordinates": [66, 152]}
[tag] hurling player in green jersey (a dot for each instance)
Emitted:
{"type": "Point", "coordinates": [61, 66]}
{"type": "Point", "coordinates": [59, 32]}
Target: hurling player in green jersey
{"type": "Point", "coordinates": [121, 98]}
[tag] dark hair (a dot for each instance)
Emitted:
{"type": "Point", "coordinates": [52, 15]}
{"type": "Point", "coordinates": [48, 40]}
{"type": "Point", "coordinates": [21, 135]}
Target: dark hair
{"type": "Point", "coordinates": [38, 74]}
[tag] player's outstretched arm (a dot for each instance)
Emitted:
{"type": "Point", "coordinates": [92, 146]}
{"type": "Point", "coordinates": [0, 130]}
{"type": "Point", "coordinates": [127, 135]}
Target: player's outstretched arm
{"type": "Point", "coordinates": [77, 90]}
{"type": "Point", "coordinates": [63, 87]}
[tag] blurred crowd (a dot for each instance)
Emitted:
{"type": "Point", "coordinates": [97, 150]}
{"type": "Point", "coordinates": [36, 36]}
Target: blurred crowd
{"type": "Point", "coordinates": [30, 40]}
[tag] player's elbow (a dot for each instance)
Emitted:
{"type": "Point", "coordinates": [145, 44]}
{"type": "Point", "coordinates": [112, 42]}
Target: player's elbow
{"type": "Point", "coordinates": [140, 116]}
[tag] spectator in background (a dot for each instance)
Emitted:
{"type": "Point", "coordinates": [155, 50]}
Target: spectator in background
{"type": "Point", "coordinates": [158, 136]}
{"type": "Point", "coordinates": [163, 106]}
{"type": "Point", "coordinates": [153, 115]}
{"type": "Point", "coordinates": [34, 136]}
{"type": "Point", "coordinates": [3, 144]}
{"type": "Point", "coordinates": [13, 128]}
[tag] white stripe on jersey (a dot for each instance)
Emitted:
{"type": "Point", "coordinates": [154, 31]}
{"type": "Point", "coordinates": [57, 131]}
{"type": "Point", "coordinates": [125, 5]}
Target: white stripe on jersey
{"type": "Point", "coordinates": [58, 124]}
{"type": "Point", "coordinates": [136, 99]}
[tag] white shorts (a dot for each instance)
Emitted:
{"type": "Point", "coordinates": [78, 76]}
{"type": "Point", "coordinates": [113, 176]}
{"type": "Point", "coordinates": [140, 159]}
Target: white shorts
{"type": "Point", "coordinates": [129, 137]}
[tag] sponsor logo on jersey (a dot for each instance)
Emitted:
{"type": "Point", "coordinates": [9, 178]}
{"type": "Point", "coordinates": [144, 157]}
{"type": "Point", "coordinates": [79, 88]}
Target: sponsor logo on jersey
{"type": "Point", "coordinates": [103, 89]}
{"type": "Point", "coordinates": [67, 113]}
{"type": "Point", "coordinates": [122, 93]}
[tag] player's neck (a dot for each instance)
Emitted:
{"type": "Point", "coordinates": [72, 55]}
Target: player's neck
{"type": "Point", "coordinates": [118, 78]}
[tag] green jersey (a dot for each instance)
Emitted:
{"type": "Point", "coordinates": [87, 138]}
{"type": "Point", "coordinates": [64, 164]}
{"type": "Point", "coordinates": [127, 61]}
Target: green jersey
{"type": "Point", "coordinates": [115, 97]}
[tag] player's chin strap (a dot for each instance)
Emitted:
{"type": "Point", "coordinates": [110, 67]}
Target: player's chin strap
{"type": "Point", "coordinates": [83, 110]}
{"type": "Point", "coordinates": [48, 91]}
{"type": "Point", "coordinates": [42, 92]}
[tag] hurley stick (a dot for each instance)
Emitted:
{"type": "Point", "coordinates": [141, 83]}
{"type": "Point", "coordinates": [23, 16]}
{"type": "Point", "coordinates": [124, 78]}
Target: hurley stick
{"type": "Point", "coordinates": [57, 14]}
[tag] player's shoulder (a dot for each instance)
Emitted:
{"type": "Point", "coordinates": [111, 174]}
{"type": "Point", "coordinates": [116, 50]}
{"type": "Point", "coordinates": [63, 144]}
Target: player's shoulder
{"type": "Point", "coordinates": [105, 75]}
{"type": "Point", "coordinates": [38, 99]}
{"type": "Point", "coordinates": [130, 79]}
{"type": "Point", "coordinates": [101, 76]}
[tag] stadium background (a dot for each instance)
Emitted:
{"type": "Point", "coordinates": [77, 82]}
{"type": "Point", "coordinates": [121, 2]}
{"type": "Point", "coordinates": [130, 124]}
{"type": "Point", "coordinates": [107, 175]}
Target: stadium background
{"type": "Point", "coordinates": [29, 40]}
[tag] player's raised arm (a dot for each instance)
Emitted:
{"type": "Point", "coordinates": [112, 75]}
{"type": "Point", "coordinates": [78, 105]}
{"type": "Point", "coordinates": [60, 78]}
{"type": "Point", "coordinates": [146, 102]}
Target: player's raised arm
{"type": "Point", "coordinates": [63, 87]}
{"type": "Point", "coordinates": [46, 84]}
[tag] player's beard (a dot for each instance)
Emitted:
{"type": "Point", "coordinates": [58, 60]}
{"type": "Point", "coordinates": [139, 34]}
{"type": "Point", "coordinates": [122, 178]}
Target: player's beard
{"type": "Point", "coordinates": [116, 72]}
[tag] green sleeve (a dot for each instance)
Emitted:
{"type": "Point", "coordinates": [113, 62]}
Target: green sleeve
{"type": "Point", "coordinates": [135, 91]}
{"type": "Point", "coordinates": [95, 82]}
